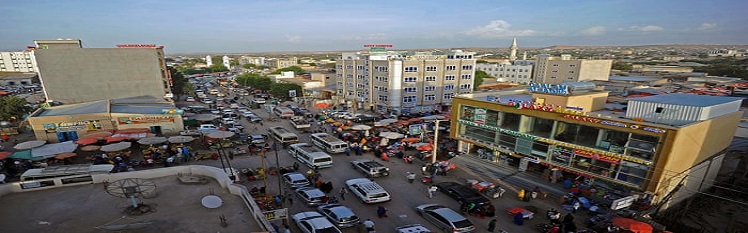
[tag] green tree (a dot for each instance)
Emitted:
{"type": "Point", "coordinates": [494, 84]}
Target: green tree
{"type": "Point", "coordinates": [262, 67]}
{"type": "Point", "coordinates": [248, 79]}
{"type": "Point", "coordinates": [218, 68]}
{"type": "Point", "coordinates": [479, 77]}
{"type": "Point", "coordinates": [280, 90]}
{"type": "Point", "coordinates": [625, 66]}
{"type": "Point", "coordinates": [295, 69]}
{"type": "Point", "coordinates": [249, 66]}
{"type": "Point", "coordinates": [192, 71]}
{"type": "Point", "coordinates": [13, 108]}
{"type": "Point", "coordinates": [262, 83]}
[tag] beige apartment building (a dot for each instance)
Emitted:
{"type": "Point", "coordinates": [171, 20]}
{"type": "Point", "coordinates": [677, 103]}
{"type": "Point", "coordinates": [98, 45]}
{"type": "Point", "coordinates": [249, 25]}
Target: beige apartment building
{"type": "Point", "coordinates": [20, 61]}
{"type": "Point", "coordinates": [73, 74]}
{"type": "Point", "coordinates": [280, 63]}
{"type": "Point", "coordinates": [404, 82]}
{"type": "Point", "coordinates": [556, 70]}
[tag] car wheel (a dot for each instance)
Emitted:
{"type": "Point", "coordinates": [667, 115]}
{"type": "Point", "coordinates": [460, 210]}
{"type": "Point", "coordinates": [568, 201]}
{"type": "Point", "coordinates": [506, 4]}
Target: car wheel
{"type": "Point", "coordinates": [385, 173]}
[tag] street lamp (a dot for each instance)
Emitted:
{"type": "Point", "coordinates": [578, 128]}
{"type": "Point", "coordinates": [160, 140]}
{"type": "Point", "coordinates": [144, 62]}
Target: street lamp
{"type": "Point", "coordinates": [277, 162]}
{"type": "Point", "coordinates": [436, 119]}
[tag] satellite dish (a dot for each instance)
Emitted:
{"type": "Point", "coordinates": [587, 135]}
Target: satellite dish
{"type": "Point", "coordinates": [133, 188]}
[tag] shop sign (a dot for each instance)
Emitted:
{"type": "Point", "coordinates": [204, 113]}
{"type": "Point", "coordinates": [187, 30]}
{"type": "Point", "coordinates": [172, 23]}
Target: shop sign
{"type": "Point", "coordinates": [71, 126]}
{"type": "Point", "coordinates": [479, 116]}
{"type": "Point", "coordinates": [518, 104]}
{"type": "Point", "coordinates": [566, 169]}
{"type": "Point", "coordinates": [582, 118]}
{"type": "Point", "coordinates": [597, 156]}
{"type": "Point", "coordinates": [556, 89]}
{"type": "Point", "coordinates": [144, 120]}
{"type": "Point", "coordinates": [623, 125]}
{"type": "Point", "coordinates": [622, 203]}
{"type": "Point", "coordinates": [603, 155]}
{"type": "Point", "coordinates": [415, 129]}
{"type": "Point", "coordinates": [136, 46]}
{"type": "Point", "coordinates": [276, 214]}
{"type": "Point", "coordinates": [636, 160]}
{"type": "Point", "coordinates": [494, 128]}
{"type": "Point", "coordinates": [172, 111]}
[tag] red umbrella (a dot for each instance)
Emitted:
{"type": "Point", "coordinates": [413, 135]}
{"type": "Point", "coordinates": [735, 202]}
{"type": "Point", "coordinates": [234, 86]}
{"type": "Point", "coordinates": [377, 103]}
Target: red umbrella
{"type": "Point", "coordinates": [115, 139]}
{"type": "Point", "coordinates": [632, 225]}
{"type": "Point", "coordinates": [425, 147]}
{"type": "Point", "coordinates": [5, 154]}
{"type": "Point", "coordinates": [87, 141]}
{"type": "Point", "coordinates": [321, 105]}
{"type": "Point", "coordinates": [411, 140]}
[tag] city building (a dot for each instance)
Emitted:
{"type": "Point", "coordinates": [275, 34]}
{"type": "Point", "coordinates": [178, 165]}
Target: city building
{"type": "Point", "coordinates": [563, 133]}
{"type": "Point", "coordinates": [259, 61]}
{"type": "Point", "coordinates": [20, 61]}
{"type": "Point", "coordinates": [70, 73]}
{"type": "Point", "coordinates": [661, 69]}
{"type": "Point", "coordinates": [69, 122]}
{"type": "Point", "coordinates": [507, 72]}
{"type": "Point", "coordinates": [11, 79]}
{"type": "Point", "coordinates": [208, 61]}
{"type": "Point", "coordinates": [556, 70]}
{"type": "Point", "coordinates": [673, 58]}
{"type": "Point", "coordinates": [280, 63]}
{"type": "Point", "coordinates": [227, 62]}
{"type": "Point", "coordinates": [725, 53]}
{"type": "Point", "coordinates": [404, 82]}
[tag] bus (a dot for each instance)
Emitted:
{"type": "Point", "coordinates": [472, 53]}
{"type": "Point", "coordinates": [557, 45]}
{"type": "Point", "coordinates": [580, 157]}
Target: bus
{"type": "Point", "coordinates": [329, 143]}
{"type": "Point", "coordinates": [283, 112]}
{"type": "Point", "coordinates": [310, 156]}
{"type": "Point", "coordinates": [283, 135]}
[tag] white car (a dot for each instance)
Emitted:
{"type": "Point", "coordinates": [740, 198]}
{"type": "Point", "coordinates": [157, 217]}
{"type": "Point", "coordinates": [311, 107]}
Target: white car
{"type": "Point", "coordinates": [234, 106]}
{"type": "Point", "coordinates": [190, 99]}
{"type": "Point", "coordinates": [207, 101]}
{"type": "Point", "coordinates": [445, 218]}
{"type": "Point", "coordinates": [313, 222]}
{"type": "Point", "coordinates": [368, 191]}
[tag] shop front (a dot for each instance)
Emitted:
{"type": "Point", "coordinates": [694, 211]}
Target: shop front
{"type": "Point", "coordinates": [68, 128]}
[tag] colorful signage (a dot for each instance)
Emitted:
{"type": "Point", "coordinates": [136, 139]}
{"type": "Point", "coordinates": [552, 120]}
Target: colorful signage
{"type": "Point", "coordinates": [632, 126]}
{"type": "Point", "coordinates": [71, 126]}
{"type": "Point", "coordinates": [136, 46]}
{"type": "Point", "coordinates": [518, 104]}
{"type": "Point", "coordinates": [596, 156]}
{"type": "Point", "coordinates": [582, 118]}
{"type": "Point", "coordinates": [144, 120]}
{"type": "Point", "coordinates": [494, 128]}
{"type": "Point", "coordinates": [556, 89]}
{"type": "Point", "coordinates": [479, 116]}
{"type": "Point", "coordinates": [377, 46]}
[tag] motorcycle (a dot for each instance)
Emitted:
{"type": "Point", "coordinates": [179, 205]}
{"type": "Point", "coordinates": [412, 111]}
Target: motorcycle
{"type": "Point", "coordinates": [427, 179]}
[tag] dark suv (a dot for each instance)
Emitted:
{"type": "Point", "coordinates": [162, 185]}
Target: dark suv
{"type": "Point", "coordinates": [463, 193]}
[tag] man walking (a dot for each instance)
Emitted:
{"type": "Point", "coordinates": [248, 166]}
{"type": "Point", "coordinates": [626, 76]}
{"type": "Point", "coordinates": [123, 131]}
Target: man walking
{"type": "Point", "coordinates": [343, 191]}
{"type": "Point", "coordinates": [432, 191]}
{"type": "Point", "coordinates": [410, 176]}
{"type": "Point", "coordinates": [368, 225]}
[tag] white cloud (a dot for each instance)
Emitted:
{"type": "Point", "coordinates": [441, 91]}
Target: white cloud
{"type": "Point", "coordinates": [593, 31]}
{"type": "Point", "coordinates": [369, 37]}
{"type": "Point", "coordinates": [498, 28]}
{"type": "Point", "coordinates": [648, 28]}
{"type": "Point", "coordinates": [707, 26]}
{"type": "Point", "coordinates": [293, 39]}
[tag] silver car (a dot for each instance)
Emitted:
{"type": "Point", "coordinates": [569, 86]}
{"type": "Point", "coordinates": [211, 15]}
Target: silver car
{"type": "Point", "coordinates": [340, 215]}
{"type": "Point", "coordinates": [313, 222]}
{"type": "Point", "coordinates": [445, 218]}
{"type": "Point", "coordinates": [311, 196]}
{"type": "Point", "coordinates": [295, 180]}
{"type": "Point", "coordinates": [412, 228]}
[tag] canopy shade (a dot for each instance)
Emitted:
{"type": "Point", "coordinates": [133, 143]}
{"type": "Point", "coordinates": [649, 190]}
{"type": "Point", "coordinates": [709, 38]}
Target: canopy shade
{"type": "Point", "coordinates": [151, 141]}
{"type": "Point", "coordinates": [220, 134]}
{"type": "Point", "coordinates": [360, 127]}
{"type": "Point", "coordinates": [29, 144]}
{"type": "Point", "coordinates": [116, 147]}
{"type": "Point", "coordinates": [632, 225]}
{"type": "Point", "coordinates": [49, 150]}
{"type": "Point", "coordinates": [65, 155]}
{"type": "Point", "coordinates": [5, 154]}
{"type": "Point", "coordinates": [87, 141]}
{"type": "Point", "coordinates": [180, 139]}
{"type": "Point", "coordinates": [90, 148]}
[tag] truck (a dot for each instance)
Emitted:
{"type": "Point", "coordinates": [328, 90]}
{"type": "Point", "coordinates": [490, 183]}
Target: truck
{"type": "Point", "coordinates": [300, 123]}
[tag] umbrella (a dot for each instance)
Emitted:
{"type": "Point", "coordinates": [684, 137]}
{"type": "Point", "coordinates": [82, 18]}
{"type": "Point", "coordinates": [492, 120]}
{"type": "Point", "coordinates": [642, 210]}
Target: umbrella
{"type": "Point", "coordinates": [321, 105]}
{"type": "Point", "coordinates": [26, 154]}
{"type": "Point", "coordinates": [151, 141]}
{"type": "Point", "coordinates": [411, 140]}
{"type": "Point", "coordinates": [90, 148]}
{"type": "Point", "coordinates": [133, 131]}
{"type": "Point", "coordinates": [29, 144]}
{"type": "Point", "coordinates": [116, 139]}
{"type": "Point", "coordinates": [180, 139]}
{"type": "Point", "coordinates": [87, 141]}
{"type": "Point", "coordinates": [330, 120]}
{"type": "Point", "coordinates": [220, 134]}
{"type": "Point", "coordinates": [52, 149]}
{"type": "Point", "coordinates": [97, 135]}
{"type": "Point", "coordinates": [391, 135]}
{"type": "Point", "coordinates": [414, 120]}
{"type": "Point", "coordinates": [420, 144]}
{"type": "Point", "coordinates": [388, 120]}
{"type": "Point", "coordinates": [402, 122]}
{"type": "Point", "coordinates": [116, 146]}
{"type": "Point", "coordinates": [433, 117]}
{"type": "Point", "coordinates": [5, 154]}
{"type": "Point", "coordinates": [204, 117]}
{"type": "Point", "coordinates": [632, 225]}
{"type": "Point", "coordinates": [425, 147]}
{"type": "Point", "coordinates": [360, 127]}
{"type": "Point", "coordinates": [65, 155]}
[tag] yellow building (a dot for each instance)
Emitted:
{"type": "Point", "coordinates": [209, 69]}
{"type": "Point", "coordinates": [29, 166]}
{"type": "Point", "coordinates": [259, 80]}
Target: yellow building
{"type": "Point", "coordinates": [564, 131]}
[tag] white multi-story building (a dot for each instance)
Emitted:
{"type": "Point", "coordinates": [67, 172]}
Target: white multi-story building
{"type": "Point", "coordinates": [507, 72]}
{"type": "Point", "coordinates": [20, 61]}
{"type": "Point", "coordinates": [227, 62]}
{"type": "Point", "coordinates": [208, 61]}
{"type": "Point", "coordinates": [404, 82]}
{"type": "Point", "coordinates": [251, 60]}
{"type": "Point", "coordinates": [556, 70]}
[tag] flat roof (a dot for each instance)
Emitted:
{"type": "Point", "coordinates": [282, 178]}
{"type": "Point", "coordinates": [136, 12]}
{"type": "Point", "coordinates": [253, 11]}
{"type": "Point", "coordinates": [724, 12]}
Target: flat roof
{"type": "Point", "coordinates": [76, 109]}
{"type": "Point", "coordinates": [687, 99]}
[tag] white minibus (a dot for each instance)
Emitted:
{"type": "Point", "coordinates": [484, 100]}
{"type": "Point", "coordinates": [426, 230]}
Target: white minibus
{"type": "Point", "coordinates": [329, 143]}
{"type": "Point", "coordinates": [310, 156]}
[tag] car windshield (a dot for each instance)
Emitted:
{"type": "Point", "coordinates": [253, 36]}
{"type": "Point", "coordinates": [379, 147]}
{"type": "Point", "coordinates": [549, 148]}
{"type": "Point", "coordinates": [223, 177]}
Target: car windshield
{"type": "Point", "coordinates": [463, 223]}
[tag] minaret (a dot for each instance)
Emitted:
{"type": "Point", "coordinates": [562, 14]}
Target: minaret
{"type": "Point", "coordinates": [227, 62]}
{"type": "Point", "coordinates": [513, 50]}
{"type": "Point", "coordinates": [208, 61]}
{"type": "Point", "coordinates": [524, 56]}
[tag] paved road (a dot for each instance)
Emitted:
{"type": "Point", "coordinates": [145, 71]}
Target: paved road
{"type": "Point", "coordinates": [405, 195]}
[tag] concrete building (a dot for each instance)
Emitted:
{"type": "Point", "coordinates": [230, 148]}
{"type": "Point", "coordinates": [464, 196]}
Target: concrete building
{"type": "Point", "coordinates": [14, 79]}
{"type": "Point", "coordinates": [507, 72]}
{"type": "Point", "coordinates": [563, 132]}
{"type": "Point", "coordinates": [280, 63]}
{"type": "Point", "coordinates": [251, 60]}
{"type": "Point", "coordinates": [661, 69]}
{"type": "Point", "coordinates": [556, 70]}
{"type": "Point", "coordinates": [404, 82]}
{"type": "Point", "coordinates": [227, 62]}
{"type": "Point", "coordinates": [20, 61]}
{"type": "Point", "coordinates": [208, 61]}
{"type": "Point", "coordinates": [72, 74]}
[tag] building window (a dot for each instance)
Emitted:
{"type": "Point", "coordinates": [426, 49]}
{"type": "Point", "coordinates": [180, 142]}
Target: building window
{"type": "Point", "coordinates": [466, 76]}
{"type": "Point", "coordinates": [553, 77]}
{"type": "Point", "coordinates": [449, 87]}
{"type": "Point", "coordinates": [556, 65]}
{"type": "Point", "coordinates": [410, 89]}
{"type": "Point", "coordinates": [380, 68]}
{"type": "Point", "coordinates": [383, 98]}
{"type": "Point", "coordinates": [348, 76]}
{"type": "Point", "coordinates": [360, 67]}
{"type": "Point", "coordinates": [449, 96]}
{"type": "Point", "coordinates": [467, 67]}
{"type": "Point", "coordinates": [411, 69]}
{"type": "Point", "coordinates": [409, 99]}
{"type": "Point", "coordinates": [430, 78]}
{"type": "Point", "coordinates": [465, 86]}
{"type": "Point", "coordinates": [572, 65]}
{"type": "Point", "coordinates": [381, 78]}
{"type": "Point", "coordinates": [555, 71]}
{"type": "Point", "coordinates": [349, 67]}
{"type": "Point", "coordinates": [451, 67]}
{"type": "Point", "coordinates": [349, 84]}
{"type": "Point", "coordinates": [360, 76]}
{"type": "Point", "coordinates": [410, 79]}
{"type": "Point", "coordinates": [360, 86]}
{"type": "Point", "coordinates": [429, 88]}
{"type": "Point", "coordinates": [571, 72]}
{"type": "Point", "coordinates": [431, 68]}
{"type": "Point", "coordinates": [429, 97]}
{"type": "Point", "coordinates": [576, 134]}
{"type": "Point", "coordinates": [449, 77]}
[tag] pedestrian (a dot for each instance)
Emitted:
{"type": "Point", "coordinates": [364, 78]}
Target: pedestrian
{"type": "Point", "coordinates": [289, 198]}
{"type": "Point", "coordinates": [492, 225]}
{"type": "Point", "coordinates": [343, 191]}
{"type": "Point", "coordinates": [576, 206]}
{"type": "Point", "coordinates": [295, 166]}
{"type": "Point", "coordinates": [381, 212]}
{"type": "Point", "coordinates": [432, 191]}
{"type": "Point", "coordinates": [368, 225]}
{"type": "Point", "coordinates": [347, 151]}
{"type": "Point", "coordinates": [411, 177]}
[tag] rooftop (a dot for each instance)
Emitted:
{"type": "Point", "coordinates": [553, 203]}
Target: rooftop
{"type": "Point", "coordinates": [687, 99]}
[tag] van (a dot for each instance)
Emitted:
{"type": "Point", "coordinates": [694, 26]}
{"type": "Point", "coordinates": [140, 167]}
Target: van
{"type": "Point", "coordinates": [66, 171]}
{"type": "Point", "coordinates": [368, 191]}
{"type": "Point", "coordinates": [283, 112]}
{"type": "Point", "coordinates": [310, 155]}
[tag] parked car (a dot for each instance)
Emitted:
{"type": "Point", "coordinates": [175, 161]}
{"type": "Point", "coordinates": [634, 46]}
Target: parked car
{"type": "Point", "coordinates": [207, 128]}
{"type": "Point", "coordinates": [190, 99]}
{"type": "Point", "coordinates": [254, 119]}
{"type": "Point", "coordinates": [340, 215]}
{"type": "Point", "coordinates": [257, 139]}
{"type": "Point", "coordinates": [313, 222]}
{"type": "Point", "coordinates": [311, 196]}
{"type": "Point", "coordinates": [370, 168]}
{"type": "Point", "coordinates": [445, 218]}
{"type": "Point", "coordinates": [207, 101]}
{"type": "Point", "coordinates": [295, 180]}
{"type": "Point", "coordinates": [412, 228]}
{"type": "Point", "coordinates": [368, 191]}
{"type": "Point", "coordinates": [463, 193]}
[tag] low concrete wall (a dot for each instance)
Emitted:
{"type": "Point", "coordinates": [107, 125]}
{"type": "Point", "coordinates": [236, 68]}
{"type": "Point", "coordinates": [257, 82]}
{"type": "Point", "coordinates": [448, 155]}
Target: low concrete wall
{"type": "Point", "coordinates": [216, 173]}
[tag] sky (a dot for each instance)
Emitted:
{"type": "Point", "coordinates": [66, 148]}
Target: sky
{"type": "Point", "coordinates": [246, 26]}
